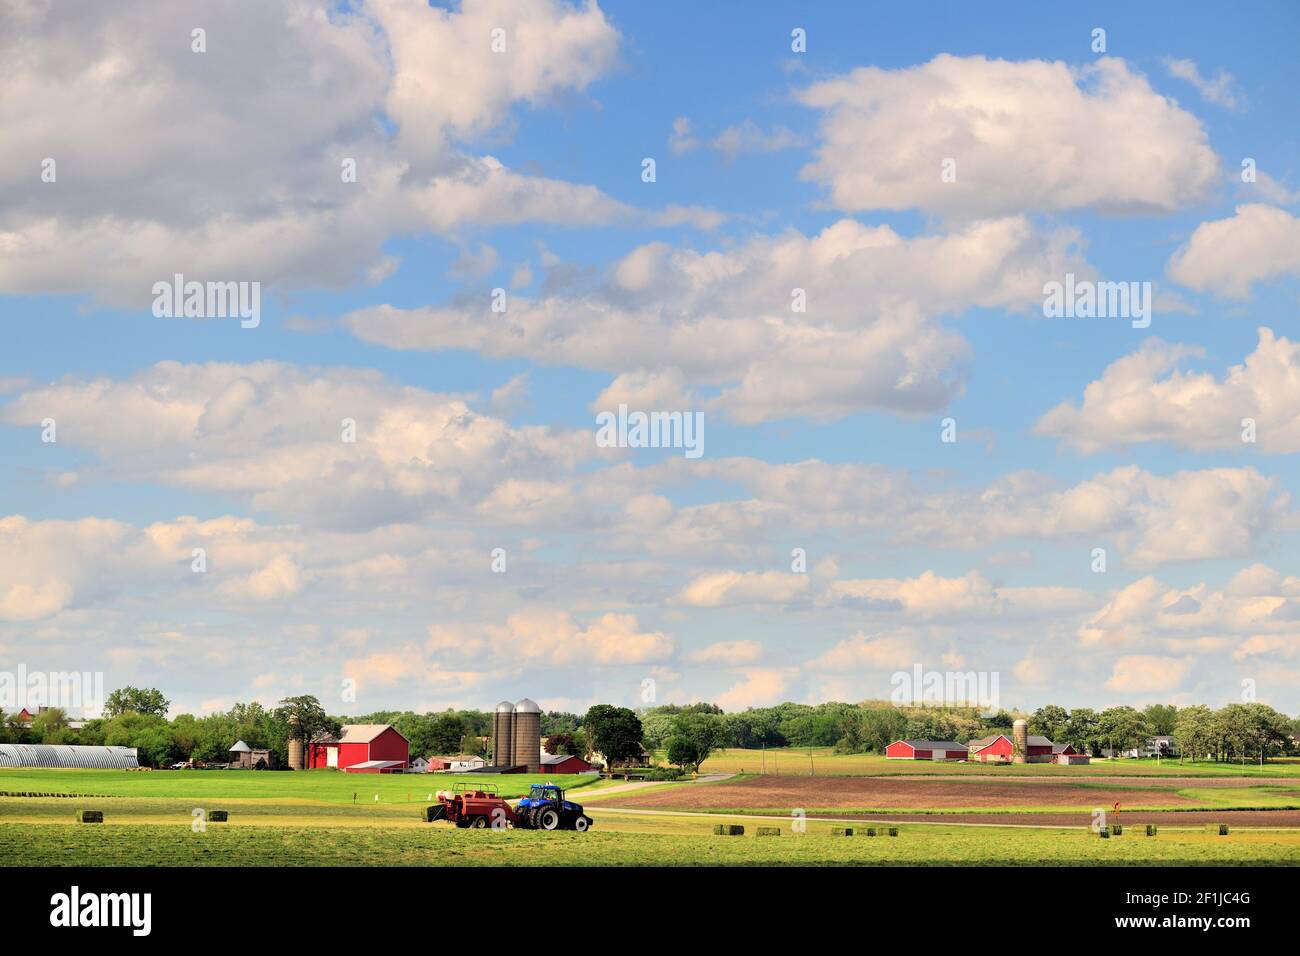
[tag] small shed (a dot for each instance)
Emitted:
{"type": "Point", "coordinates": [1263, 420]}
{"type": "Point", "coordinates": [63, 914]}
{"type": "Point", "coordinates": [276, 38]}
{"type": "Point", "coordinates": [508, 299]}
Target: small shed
{"type": "Point", "coordinates": [247, 758]}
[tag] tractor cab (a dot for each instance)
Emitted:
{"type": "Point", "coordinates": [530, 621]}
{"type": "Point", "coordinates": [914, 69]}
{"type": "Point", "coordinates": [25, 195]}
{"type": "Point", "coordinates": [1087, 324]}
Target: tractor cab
{"type": "Point", "coordinates": [542, 794]}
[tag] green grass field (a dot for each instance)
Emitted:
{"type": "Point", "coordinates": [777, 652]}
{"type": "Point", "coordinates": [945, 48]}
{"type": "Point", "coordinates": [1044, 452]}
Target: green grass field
{"type": "Point", "coordinates": [329, 786]}
{"type": "Point", "coordinates": [824, 761]}
{"type": "Point", "coordinates": [286, 819]}
{"type": "Point", "coordinates": [655, 841]}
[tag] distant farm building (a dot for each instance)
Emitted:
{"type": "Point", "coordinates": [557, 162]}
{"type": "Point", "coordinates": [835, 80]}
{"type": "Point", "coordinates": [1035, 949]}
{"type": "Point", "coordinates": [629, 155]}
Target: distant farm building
{"type": "Point", "coordinates": [25, 718]}
{"type": "Point", "coordinates": [362, 748]}
{"type": "Point", "coordinates": [1067, 755]}
{"type": "Point", "coordinates": [419, 765]}
{"type": "Point", "coordinates": [644, 759]}
{"type": "Point", "coordinates": [457, 763]}
{"type": "Point", "coordinates": [564, 763]}
{"type": "Point", "coordinates": [926, 750]}
{"type": "Point", "coordinates": [71, 756]}
{"type": "Point", "coordinates": [999, 748]}
{"type": "Point", "coordinates": [245, 757]}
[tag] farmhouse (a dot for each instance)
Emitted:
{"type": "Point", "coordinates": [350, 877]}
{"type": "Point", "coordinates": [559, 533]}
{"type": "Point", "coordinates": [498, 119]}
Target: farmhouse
{"type": "Point", "coordinates": [418, 765]}
{"type": "Point", "coordinates": [926, 750]}
{"type": "Point", "coordinates": [564, 763]}
{"type": "Point", "coordinates": [362, 748]}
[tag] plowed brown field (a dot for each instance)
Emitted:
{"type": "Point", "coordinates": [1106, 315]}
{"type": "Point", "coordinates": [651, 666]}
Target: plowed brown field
{"type": "Point", "coordinates": [784, 793]}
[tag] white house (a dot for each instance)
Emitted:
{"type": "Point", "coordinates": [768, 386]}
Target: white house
{"type": "Point", "coordinates": [419, 765]}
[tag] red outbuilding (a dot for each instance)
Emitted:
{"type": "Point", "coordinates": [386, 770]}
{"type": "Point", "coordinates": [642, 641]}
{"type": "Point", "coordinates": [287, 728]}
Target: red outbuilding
{"type": "Point", "coordinates": [926, 750]}
{"type": "Point", "coordinates": [564, 763]}
{"type": "Point", "coordinates": [1000, 749]}
{"type": "Point", "coordinates": [362, 748]}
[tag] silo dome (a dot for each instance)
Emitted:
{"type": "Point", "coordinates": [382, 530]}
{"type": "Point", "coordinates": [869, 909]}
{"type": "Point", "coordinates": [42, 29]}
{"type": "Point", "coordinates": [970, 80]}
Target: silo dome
{"type": "Point", "coordinates": [505, 707]}
{"type": "Point", "coordinates": [527, 706]}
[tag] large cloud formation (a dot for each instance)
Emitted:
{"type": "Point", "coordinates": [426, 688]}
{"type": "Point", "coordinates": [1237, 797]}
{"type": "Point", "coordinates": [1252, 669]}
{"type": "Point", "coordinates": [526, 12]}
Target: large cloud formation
{"type": "Point", "coordinates": [867, 336]}
{"type": "Point", "coordinates": [1146, 396]}
{"type": "Point", "coordinates": [229, 163]}
{"type": "Point", "coordinates": [1029, 135]}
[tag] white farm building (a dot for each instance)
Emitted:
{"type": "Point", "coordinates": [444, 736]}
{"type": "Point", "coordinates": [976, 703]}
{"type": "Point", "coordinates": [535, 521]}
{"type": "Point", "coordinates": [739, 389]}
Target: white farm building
{"type": "Point", "coordinates": [68, 756]}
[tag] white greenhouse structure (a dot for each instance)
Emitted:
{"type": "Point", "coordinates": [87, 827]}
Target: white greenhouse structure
{"type": "Point", "coordinates": [68, 756]}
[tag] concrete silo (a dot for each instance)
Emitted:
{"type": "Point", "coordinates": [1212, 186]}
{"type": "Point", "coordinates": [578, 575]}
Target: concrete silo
{"type": "Point", "coordinates": [528, 735]}
{"type": "Point", "coordinates": [295, 754]}
{"type": "Point", "coordinates": [1020, 737]}
{"type": "Point", "coordinates": [503, 735]}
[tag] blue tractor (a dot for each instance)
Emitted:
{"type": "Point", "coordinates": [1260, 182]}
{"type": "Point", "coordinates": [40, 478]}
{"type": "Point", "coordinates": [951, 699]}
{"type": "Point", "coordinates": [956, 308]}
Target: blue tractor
{"type": "Point", "coordinates": [546, 809]}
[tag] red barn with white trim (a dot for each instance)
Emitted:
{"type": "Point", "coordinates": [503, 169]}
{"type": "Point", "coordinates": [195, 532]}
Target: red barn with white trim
{"type": "Point", "coordinates": [926, 750]}
{"type": "Point", "coordinates": [999, 748]}
{"type": "Point", "coordinates": [362, 748]}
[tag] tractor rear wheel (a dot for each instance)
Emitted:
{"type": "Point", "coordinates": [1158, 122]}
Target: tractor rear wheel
{"type": "Point", "coordinates": [548, 819]}
{"type": "Point", "coordinates": [582, 823]}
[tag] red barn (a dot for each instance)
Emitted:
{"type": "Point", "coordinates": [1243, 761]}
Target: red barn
{"type": "Point", "coordinates": [362, 748]}
{"type": "Point", "coordinates": [564, 763]}
{"type": "Point", "coordinates": [999, 749]}
{"type": "Point", "coordinates": [926, 750]}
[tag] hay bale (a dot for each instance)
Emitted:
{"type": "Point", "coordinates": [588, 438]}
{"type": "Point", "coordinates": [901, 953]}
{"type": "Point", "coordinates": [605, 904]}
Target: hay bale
{"type": "Point", "coordinates": [90, 816]}
{"type": "Point", "coordinates": [1223, 829]}
{"type": "Point", "coordinates": [893, 831]}
{"type": "Point", "coordinates": [841, 831]}
{"type": "Point", "coordinates": [729, 829]}
{"type": "Point", "coordinates": [1104, 834]}
{"type": "Point", "coordinates": [1151, 829]}
{"type": "Point", "coordinates": [218, 816]}
{"type": "Point", "coordinates": [1117, 829]}
{"type": "Point", "coordinates": [768, 831]}
{"type": "Point", "coordinates": [871, 831]}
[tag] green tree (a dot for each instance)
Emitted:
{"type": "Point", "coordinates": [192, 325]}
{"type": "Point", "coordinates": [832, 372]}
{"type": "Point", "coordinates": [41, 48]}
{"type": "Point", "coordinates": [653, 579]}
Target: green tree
{"type": "Point", "coordinates": [1051, 722]}
{"type": "Point", "coordinates": [447, 731]}
{"type": "Point", "coordinates": [881, 726]}
{"type": "Point", "coordinates": [694, 737]}
{"type": "Point", "coordinates": [613, 731]}
{"type": "Point", "coordinates": [1195, 732]}
{"type": "Point", "coordinates": [50, 726]}
{"type": "Point", "coordinates": [656, 727]}
{"type": "Point", "coordinates": [1082, 730]}
{"type": "Point", "coordinates": [136, 700]}
{"type": "Point", "coordinates": [305, 719]}
{"type": "Point", "coordinates": [1121, 728]}
{"type": "Point", "coordinates": [1161, 719]}
{"type": "Point", "coordinates": [150, 735]}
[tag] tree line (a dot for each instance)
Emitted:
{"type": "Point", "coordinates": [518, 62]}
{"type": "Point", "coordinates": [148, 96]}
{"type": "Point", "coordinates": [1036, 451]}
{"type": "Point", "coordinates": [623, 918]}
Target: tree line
{"type": "Point", "coordinates": [685, 735]}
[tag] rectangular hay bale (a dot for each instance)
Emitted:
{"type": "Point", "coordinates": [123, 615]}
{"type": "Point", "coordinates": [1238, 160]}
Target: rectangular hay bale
{"type": "Point", "coordinates": [1151, 829]}
{"type": "Point", "coordinates": [729, 829]}
{"type": "Point", "coordinates": [841, 831]}
{"type": "Point", "coordinates": [218, 816]}
{"type": "Point", "coordinates": [90, 816]}
{"type": "Point", "coordinates": [768, 831]}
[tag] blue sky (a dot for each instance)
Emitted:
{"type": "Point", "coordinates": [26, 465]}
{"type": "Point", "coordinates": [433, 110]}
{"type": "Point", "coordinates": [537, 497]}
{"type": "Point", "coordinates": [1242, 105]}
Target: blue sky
{"type": "Point", "coordinates": [366, 565]}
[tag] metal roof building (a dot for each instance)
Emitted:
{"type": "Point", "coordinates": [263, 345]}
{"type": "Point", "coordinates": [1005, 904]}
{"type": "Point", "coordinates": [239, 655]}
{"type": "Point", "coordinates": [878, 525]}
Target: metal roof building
{"type": "Point", "coordinates": [68, 756]}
